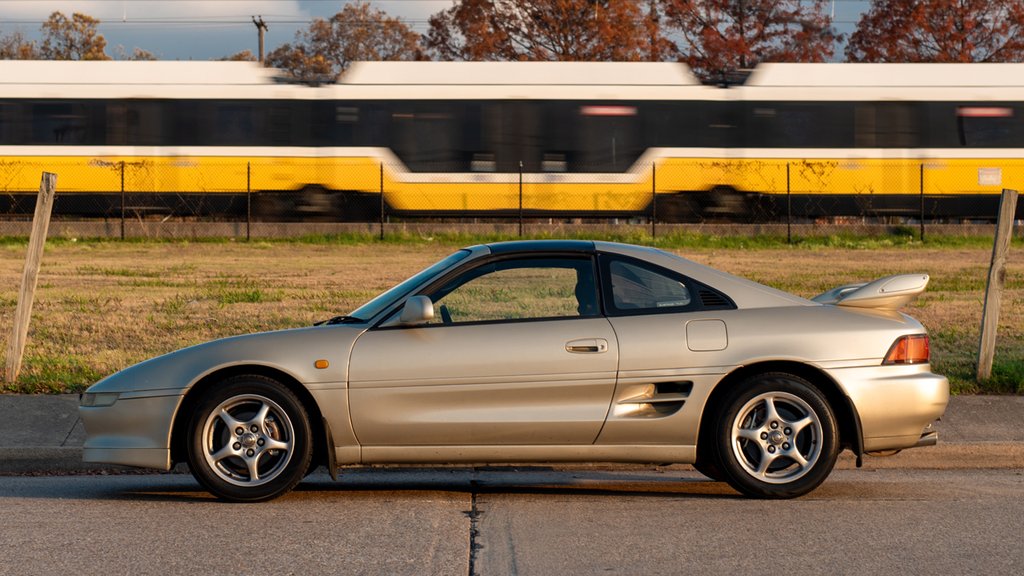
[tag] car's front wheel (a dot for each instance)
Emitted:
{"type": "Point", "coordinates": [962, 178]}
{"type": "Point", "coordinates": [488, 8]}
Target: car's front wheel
{"type": "Point", "coordinates": [249, 440]}
{"type": "Point", "coordinates": [776, 437]}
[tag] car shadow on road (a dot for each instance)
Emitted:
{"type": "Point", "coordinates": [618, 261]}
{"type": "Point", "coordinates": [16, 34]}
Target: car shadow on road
{"type": "Point", "coordinates": [541, 480]}
{"type": "Point", "coordinates": [672, 482]}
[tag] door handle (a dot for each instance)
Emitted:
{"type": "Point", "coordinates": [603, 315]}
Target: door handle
{"type": "Point", "coordinates": [587, 346]}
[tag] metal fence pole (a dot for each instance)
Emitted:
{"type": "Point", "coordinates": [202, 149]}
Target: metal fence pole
{"type": "Point", "coordinates": [789, 209]}
{"type": "Point", "coordinates": [381, 200]}
{"type": "Point", "coordinates": [922, 202]}
{"type": "Point", "coordinates": [122, 199]}
{"type": "Point", "coordinates": [520, 198]}
{"type": "Point", "coordinates": [654, 200]}
{"type": "Point", "coordinates": [248, 201]}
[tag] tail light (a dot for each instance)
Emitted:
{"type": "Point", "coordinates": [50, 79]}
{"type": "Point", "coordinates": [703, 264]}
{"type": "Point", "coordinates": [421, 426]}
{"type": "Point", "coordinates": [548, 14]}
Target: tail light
{"type": "Point", "coordinates": [912, 349]}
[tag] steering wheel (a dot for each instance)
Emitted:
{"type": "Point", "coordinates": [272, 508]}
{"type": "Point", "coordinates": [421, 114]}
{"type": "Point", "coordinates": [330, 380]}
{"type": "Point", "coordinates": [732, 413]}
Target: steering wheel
{"type": "Point", "coordinates": [446, 316]}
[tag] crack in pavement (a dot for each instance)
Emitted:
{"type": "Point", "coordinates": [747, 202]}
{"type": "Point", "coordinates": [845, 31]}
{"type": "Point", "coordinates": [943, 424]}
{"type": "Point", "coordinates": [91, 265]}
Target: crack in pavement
{"type": "Point", "coordinates": [474, 529]}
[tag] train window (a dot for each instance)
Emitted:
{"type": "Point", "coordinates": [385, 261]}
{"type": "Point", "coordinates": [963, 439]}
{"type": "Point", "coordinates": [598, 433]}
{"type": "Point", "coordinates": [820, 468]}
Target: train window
{"type": "Point", "coordinates": [803, 125]}
{"type": "Point", "coordinates": [554, 162]}
{"type": "Point", "coordinates": [281, 117]}
{"type": "Point", "coordinates": [608, 138]}
{"type": "Point", "coordinates": [10, 128]}
{"type": "Point", "coordinates": [694, 124]}
{"type": "Point", "coordinates": [885, 125]}
{"type": "Point", "coordinates": [144, 123]}
{"type": "Point", "coordinates": [557, 126]}
{"type": "Point", "coordinates": [987, 126]}
{"type": "Point", "coordinates": [425, 137]}
{"type": "Point", "coordinates": [519, 137]}
{"type": "Point", "coordinates": [346, 120]}
{"type": "Point", "coordinates": [60, 123]}
{"type": "Point", "coordinates": [320, 127]}
{"type": "Point", "coordinates": [375, 127]}
{"type": "Point", "coordinates": [117, 132]}
{"type": "Point", "coordinates": [234, 124]}
{"type": "Point", "coordinates": [483, 162]}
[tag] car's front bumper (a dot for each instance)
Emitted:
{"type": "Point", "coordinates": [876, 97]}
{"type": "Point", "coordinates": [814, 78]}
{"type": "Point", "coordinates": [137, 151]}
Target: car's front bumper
{"type": "Point", "coordinates": [895, 403]}
{"type": "Point", "coordinates": [133, 431]}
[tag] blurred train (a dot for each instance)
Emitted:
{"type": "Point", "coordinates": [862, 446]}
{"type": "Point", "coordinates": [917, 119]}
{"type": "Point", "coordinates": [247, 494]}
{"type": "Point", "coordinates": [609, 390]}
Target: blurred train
{"type": "Point", "coordinates": [479, 139]}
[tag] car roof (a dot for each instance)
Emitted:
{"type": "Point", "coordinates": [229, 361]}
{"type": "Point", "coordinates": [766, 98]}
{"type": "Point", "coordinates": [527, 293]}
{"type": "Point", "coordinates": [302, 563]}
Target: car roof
{"type": "Point", "coordinates": [745, 293]}
{"type": "Point", "coordinates": [541, 246]}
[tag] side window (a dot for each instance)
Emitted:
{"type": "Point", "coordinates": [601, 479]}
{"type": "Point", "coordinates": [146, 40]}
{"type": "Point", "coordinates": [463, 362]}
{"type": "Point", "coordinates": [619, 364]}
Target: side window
{"type": "Point", "coordinates": [632, 287]}
{"type": "Point", "coordinates": [636, 288]}
{"type": "Point", "coordinates": [987, 126]}
{"type": "Point", "coordinates": [519, 289]}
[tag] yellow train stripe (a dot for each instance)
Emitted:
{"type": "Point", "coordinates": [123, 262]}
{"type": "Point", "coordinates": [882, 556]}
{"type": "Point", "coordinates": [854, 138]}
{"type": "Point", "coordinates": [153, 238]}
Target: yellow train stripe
{"type": "Point", "coordinates": [488, 191]}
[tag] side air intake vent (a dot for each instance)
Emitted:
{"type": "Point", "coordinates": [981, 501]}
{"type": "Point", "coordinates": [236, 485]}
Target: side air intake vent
{"type": "Point", "coordinates": [712, 299]}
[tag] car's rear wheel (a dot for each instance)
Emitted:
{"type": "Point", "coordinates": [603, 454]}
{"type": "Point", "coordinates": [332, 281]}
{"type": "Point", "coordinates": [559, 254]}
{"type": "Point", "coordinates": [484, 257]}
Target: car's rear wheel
{"type": "Point", "coordinates": [776, 437]}
{"type": "Point", "coordinates": [249, 440]}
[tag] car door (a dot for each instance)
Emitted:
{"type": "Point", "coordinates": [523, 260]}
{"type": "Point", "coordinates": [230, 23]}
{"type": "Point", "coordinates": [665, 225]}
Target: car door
{"type": "Point", "coordinates": [519, 354]}
{"type": "Point", "coordinates": [673, 332]}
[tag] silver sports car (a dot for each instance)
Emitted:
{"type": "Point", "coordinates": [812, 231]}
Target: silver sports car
{"type": "Point", "coordinates": [541, 351]}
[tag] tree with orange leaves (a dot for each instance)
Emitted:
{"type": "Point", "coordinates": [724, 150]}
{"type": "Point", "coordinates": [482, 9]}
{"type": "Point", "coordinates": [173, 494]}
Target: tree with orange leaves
{"type": "Point", "coordinates": [939, 31]}
{"type": "Point", "coordinates": [357, 32]}
{"type": "Point", "coordinates": [718, 37]}
{"type": "Point", "coordinates": [75, 38]}
{"type": "Point", "coordinates": [586, 30]}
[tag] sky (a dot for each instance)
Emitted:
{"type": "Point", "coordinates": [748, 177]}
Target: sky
{"type": "Point", "coordinates": [211, 29]}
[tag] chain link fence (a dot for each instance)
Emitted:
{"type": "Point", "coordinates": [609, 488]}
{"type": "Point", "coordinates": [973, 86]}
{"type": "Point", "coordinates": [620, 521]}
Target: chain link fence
{"type": "Point", "coordinates": [177, 197]}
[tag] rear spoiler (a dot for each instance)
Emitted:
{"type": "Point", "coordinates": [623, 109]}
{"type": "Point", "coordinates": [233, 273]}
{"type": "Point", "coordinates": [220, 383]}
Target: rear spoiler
{"type": "Point", "coordinates": [889, 293]}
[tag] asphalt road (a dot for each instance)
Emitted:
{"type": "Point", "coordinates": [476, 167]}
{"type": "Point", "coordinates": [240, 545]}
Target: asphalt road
{"type": "Point", "coordinates": [526, 521]}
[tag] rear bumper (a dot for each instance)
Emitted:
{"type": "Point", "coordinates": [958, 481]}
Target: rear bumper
{"type": "Point", "coordinates": [895, 403]}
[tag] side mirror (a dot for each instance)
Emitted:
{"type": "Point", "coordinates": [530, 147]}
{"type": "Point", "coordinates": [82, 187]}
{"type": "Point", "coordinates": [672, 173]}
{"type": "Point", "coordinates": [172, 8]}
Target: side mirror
{"type": "Point", "coordinates": [417, 310]}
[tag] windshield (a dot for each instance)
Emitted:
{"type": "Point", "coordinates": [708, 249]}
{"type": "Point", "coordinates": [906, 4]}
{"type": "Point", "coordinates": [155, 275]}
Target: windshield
{"type": "Point", "coordinates": [378, 304]}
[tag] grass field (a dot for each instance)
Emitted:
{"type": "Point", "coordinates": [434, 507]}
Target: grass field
{"type": "Point", "coordinates": [102, 306]}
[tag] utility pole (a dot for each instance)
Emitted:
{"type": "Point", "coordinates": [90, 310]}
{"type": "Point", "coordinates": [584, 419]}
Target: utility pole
{"type": "Point", "coordinates": [261, 26]}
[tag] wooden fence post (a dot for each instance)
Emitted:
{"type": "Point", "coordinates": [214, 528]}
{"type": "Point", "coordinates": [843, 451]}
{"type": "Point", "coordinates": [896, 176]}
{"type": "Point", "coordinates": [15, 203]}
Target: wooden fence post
{"type": "Point", "coordinates": [996, 282]}
{"type": "Point", "coordinates": [34, 257]}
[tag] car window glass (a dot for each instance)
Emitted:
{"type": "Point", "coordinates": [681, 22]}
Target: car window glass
{"type": "Point", "coordinates": [635, 287]}
{"type": "Point", "coordinates": [381, 302]}
{"type": "Point", "coordinates": [519, 289]}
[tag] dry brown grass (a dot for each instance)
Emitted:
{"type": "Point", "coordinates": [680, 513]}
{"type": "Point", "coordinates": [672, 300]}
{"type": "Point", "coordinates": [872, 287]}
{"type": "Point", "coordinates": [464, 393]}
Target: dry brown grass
{"type": "Point", "coordinates": [102, 306]}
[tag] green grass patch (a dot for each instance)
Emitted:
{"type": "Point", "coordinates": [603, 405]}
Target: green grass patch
{"type": "Point", "coordinates": [898, 236]}
{"type": "Point", "coordinates": [1007, 376]}
{"type": "Point", "coordinates": [244, 290]}
{"type": "Point", "coordinates": [118, 272]}
{"type": "Point", "coordinates": [54, 375]}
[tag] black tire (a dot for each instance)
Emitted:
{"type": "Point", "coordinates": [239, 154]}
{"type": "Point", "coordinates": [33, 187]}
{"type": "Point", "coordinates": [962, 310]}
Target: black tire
{"type": "Point", "coordinates": [784, 454]}
{"type": "Point", "coordinates": [262, 452]}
